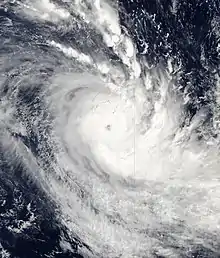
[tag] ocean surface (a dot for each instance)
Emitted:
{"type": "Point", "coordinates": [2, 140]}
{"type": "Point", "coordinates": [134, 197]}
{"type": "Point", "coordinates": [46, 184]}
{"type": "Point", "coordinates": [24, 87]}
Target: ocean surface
{"type": "Point", "coordinates": [109, 128]}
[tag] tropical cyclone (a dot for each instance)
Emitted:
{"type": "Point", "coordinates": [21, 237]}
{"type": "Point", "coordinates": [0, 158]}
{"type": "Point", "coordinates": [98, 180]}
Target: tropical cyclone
{"type": "Point", "coordinates": [105, 135]}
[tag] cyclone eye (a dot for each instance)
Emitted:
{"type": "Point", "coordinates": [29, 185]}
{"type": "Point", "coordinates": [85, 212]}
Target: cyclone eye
{"type": "Point", "coordinates": [108, 127]}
